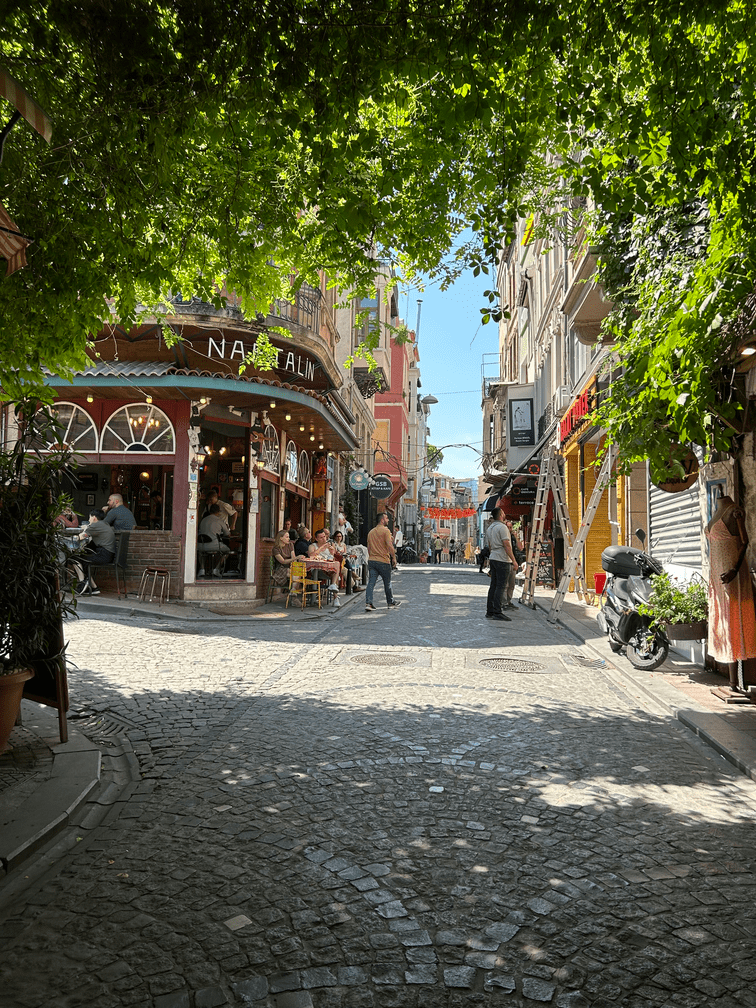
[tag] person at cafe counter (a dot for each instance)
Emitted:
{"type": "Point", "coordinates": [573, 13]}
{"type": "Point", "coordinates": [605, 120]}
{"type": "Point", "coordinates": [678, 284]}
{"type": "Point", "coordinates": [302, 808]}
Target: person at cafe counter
{"type": "Point", "coordinates": [227, 510]}
{"type": "Point", "coordinates": [117, 515]}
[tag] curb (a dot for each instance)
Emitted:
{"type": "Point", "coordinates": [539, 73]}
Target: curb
{"type": "Point", "coordinates": [711, 728]}
{"type": "Point", "coordinates": [92, 608]}
{"type": "Point", "coordinates": [49, 810]}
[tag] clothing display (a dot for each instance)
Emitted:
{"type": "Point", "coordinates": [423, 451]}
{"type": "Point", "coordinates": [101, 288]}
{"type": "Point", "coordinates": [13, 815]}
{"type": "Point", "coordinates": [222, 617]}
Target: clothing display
{"type": "Point", "coordinates": [732, 619]}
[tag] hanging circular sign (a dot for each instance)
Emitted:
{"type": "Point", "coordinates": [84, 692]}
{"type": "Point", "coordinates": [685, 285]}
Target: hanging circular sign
{"type": "Point", "coordinates": [381, 487]}
{"type": "Point", "coordinates": [358, 480]}
{"type": "Point", "coordinates": [677, 484]}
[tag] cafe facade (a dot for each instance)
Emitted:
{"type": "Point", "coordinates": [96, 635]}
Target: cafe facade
{"type": "Point", "coordinates": [165, 422]}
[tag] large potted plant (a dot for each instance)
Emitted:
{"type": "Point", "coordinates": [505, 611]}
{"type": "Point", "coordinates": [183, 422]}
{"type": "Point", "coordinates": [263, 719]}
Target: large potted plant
{"type": "Point", "coordinates": [679, 610]}
{"type": "Point", "coordinates": [34, 468]}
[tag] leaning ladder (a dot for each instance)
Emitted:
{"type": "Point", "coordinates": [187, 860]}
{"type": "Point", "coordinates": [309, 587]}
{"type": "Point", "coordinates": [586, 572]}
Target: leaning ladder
{"type": "Point", "coordinates": [537, 530]}
{"type": "Point", "coordinates": [550, 479]}
{"type": "Point", "coordinates": [585, 527]}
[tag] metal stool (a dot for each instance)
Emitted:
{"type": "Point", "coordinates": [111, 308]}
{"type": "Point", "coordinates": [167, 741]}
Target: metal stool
{"type": "Point", "coordinates": [165, 583]}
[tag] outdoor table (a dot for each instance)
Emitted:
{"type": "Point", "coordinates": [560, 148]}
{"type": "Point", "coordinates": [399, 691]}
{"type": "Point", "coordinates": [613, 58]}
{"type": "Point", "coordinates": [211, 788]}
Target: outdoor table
{"type": "Point", "coordinates": [332, 566]}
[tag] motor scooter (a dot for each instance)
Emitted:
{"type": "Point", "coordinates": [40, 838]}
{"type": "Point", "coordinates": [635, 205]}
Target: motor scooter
{"type": "Point", "coordinates": [628, 584]}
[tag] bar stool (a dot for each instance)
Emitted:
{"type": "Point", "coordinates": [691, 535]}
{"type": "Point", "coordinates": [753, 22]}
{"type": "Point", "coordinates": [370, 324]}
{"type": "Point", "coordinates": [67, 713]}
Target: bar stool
{"type": "Point", "coordinates": [165, 583]}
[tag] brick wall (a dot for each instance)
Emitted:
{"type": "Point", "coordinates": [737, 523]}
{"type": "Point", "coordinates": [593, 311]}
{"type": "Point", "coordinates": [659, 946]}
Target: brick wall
{"type": "Point", "coordinates": [147, 549]}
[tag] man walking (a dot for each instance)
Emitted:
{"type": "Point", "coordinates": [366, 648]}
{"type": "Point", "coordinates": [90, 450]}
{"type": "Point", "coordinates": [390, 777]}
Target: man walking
{"type": "Point", "coordinates": [500, 564]}
{"type": "Point", "coordinates": [381, 558]}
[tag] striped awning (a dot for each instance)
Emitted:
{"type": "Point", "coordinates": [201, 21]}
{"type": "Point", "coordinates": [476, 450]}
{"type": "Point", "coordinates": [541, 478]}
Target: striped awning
{"type": "Point", "coordinates": [12, 243]}
{"type": "Point", "coordinates": [33, 113]}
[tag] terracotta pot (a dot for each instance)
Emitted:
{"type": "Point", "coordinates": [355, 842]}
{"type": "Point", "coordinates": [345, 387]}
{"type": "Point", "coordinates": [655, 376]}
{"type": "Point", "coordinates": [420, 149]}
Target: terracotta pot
{"type": "Point", "coordinates": [11, 691]}
{"type": "Point", "coordinates": [686, 631]}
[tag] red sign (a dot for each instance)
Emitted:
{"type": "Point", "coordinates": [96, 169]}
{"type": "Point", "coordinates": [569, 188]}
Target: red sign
{"type": "Point", "coordinates": [577, 415]}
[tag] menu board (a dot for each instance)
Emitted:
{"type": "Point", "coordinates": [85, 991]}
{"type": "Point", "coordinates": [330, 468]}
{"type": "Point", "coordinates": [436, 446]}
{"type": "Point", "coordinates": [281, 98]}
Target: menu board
{"type": "Point", "coordinates": [545, 566]}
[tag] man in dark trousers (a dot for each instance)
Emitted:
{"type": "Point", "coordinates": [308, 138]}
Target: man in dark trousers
{"type": "Point", "coordinates": [381, 559]}
{"type": "Point", "coordinates": [500, 564]}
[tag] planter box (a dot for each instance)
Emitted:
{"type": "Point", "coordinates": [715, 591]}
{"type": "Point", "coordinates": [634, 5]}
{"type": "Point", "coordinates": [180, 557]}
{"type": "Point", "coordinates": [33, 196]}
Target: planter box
{"type": "Point", "coordinates": [686, 631]}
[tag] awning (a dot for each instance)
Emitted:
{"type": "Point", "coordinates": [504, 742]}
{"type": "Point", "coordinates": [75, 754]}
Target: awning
{"type": "Point", "coordinates": [492, 501]}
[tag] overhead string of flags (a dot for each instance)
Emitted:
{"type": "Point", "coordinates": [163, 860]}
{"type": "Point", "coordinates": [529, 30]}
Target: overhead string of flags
{"type": "Point", "coordinates": [449, 512]}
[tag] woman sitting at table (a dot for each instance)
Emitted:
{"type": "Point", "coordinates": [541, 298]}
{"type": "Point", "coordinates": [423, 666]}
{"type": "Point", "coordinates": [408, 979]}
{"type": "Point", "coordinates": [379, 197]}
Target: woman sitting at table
{"type": "Point", "coordinates": [340, 547]}
{"type": "Point", "coordinates": [283, 554]}
{"type": "Point", "coordinates": [322, 549]}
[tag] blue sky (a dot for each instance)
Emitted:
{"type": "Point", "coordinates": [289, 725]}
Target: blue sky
{"type": "Point", "coordinates": [450, 365]}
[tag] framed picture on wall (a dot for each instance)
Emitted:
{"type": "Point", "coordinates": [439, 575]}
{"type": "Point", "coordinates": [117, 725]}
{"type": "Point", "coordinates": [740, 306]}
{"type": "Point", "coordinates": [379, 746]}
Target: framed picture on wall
{"type": "Point", "coordinates": [90, 500]}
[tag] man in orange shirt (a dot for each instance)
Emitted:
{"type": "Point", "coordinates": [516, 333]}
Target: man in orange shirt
{"type": "Point", "coordinates": [381, 559]}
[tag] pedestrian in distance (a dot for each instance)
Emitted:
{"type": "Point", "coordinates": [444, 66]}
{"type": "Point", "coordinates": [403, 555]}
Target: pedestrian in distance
{"type": "Point", "coordinates": [452, 551]}
{"type": "Point", "coordinates": [381, 561]}
{"type": "Point", "coordinates": [438, 545]}
{"type": "Point", "coordinates": [500, 563]}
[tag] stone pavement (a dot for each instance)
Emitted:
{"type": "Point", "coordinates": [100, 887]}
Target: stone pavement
{"type": "Point", "coordinates": [415, 808]}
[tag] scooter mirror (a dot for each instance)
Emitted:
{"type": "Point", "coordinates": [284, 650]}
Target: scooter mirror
{"type": "Point", "coordinates": [641, 535]}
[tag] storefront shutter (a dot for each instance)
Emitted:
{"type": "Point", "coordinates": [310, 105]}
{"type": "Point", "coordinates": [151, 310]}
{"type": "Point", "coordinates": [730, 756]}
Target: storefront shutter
{"type": "Point", "coordinates": [675, 533]}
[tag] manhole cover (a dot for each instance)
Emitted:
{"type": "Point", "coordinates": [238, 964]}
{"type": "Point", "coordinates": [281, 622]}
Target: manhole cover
{"type": "Point", "coordinates": [512, 665]}
{"type": "Point", "coordinates": [382, 659]}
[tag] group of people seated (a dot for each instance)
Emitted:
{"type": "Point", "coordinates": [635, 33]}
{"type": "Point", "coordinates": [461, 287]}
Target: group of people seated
{"type": "Point", "coordinates": [99, 535]}
{"type": "Point", "coordinates": [289, 546]}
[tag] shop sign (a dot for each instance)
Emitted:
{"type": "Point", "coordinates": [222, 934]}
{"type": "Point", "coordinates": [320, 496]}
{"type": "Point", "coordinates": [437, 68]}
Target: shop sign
{"type": "Point", "coordinates": [577, 415]}
{"type": "Point", "coordinates": [523, 494]}
{"type": "Point", "coordinates": [521, 424]}
{"type": "Point", "coordinates": [381, 486]}
{"type": "Point", "coordinates": [674, 483]}
{"type": "Point", "coordinates": [237, 350]}
{"type": "Point", "coordinates": [358, 480]}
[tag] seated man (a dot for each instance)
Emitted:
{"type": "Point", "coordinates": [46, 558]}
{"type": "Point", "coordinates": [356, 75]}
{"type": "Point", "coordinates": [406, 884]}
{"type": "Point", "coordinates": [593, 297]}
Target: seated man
{"type": "Point", "coordinates": [211, 528]}
{"type": "Point", "coordinates": [101, 550]}
{"type": "Point", "coordinates": [118, 515]}
{"type": "Point", "coordinates": [302, 545]}
{"type": "Point", "coordinates": [322, 549]}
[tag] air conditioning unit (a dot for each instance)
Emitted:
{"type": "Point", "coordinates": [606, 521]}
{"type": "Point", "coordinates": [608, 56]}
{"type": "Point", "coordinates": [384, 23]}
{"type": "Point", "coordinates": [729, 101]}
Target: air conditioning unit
{"type": "Point", "coordinates": [561, 401]}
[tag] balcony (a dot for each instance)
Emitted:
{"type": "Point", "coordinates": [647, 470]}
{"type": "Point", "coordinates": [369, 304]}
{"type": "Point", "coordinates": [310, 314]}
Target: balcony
{"type": "Point", "coordinates": [303, 311]}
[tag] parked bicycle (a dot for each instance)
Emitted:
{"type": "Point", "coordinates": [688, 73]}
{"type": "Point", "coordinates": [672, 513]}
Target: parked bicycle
{"type": "Point", "coordinates": [406, 554]}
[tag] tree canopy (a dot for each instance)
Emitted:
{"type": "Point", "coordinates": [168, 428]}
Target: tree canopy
{"type": "Point", "coordinates": [197, 146]}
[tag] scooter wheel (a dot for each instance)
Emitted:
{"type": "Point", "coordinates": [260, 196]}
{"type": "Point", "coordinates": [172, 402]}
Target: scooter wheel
{"type": "Point", "coordinates": [648, 654]}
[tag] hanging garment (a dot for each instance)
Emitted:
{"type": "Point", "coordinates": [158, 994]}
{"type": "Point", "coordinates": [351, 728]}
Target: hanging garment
{"type": "Point", "coordinates": [732, 619]}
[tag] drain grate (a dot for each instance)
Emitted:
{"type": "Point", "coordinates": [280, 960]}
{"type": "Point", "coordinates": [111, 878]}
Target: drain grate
{"type": "Point", "coordinates": [382, 659]}
{"type": "Point", "coordinates": [512, 665]}
{"type": "Point", "coordinates": [583, 661]}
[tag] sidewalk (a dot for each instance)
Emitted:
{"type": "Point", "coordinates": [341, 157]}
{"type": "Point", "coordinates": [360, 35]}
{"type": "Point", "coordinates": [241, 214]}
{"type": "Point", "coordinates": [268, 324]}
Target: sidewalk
{"type": "Point", "coordinates": [212, 612]}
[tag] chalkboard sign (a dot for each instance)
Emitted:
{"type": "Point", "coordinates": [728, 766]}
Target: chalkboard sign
{"type": "Point", "coordinates": [545, 571]}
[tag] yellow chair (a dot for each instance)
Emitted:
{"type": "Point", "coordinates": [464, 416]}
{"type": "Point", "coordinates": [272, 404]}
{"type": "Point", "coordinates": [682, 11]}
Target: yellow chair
{"type": "Point", "coordinates": [306, 586]}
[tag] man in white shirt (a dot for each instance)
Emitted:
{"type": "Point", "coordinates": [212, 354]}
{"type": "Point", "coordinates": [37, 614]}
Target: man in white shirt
{"type": "Point", "coordinates": [500, 564]}
{"type": "Point", "coordinates": [211, 528]}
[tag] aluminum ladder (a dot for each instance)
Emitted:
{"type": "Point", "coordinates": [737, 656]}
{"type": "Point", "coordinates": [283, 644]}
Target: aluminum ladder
{"type": "Point", "coordinates": [585, 527]}
{"type": "Point", "coordinates": [550, 478]}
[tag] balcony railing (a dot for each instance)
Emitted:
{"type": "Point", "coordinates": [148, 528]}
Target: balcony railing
{"type": "Point", "coordinates": [304, 311]}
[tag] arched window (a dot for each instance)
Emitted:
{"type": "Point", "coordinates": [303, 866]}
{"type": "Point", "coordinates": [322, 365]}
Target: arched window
{"type": "Point", "coordinates": [271, 450]}
{"type": "Point", "coordinates": [76, 428]}
{"type": "Point", "coordinates": [303, 473]}
{"type": "Point", "coordinates": [140, 427]}
{"type": "Point", "coordinates": [291, 462]}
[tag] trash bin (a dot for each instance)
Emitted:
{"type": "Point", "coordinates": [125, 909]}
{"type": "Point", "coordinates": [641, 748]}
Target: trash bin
{"type": "Point", "coordinates": [599, 580]}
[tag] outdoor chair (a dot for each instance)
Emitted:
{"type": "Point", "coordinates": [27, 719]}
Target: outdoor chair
{"type": "Point", "coordinates": [117, 564]}
{"type": "Point", "coordinates": [299, 583]}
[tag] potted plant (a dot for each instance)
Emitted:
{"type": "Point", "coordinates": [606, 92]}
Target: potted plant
{"type": "Point", "coordinates": [679, 610]}
{"type": "Point", "coordinates": [33, 471]}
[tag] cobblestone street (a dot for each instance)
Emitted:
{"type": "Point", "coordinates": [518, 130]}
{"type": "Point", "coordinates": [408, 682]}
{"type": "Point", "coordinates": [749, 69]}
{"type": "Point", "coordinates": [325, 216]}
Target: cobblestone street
{"type": "Point", "coordinates": [369, 814]}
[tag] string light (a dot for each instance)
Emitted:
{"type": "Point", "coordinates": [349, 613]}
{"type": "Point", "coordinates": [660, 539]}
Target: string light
{"type": "Point", "coordinates": [288, 416]}
{"type": "Point", "coordinates": [90, 397]}
{"type": "Point", "coordinates": [149, 400]}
